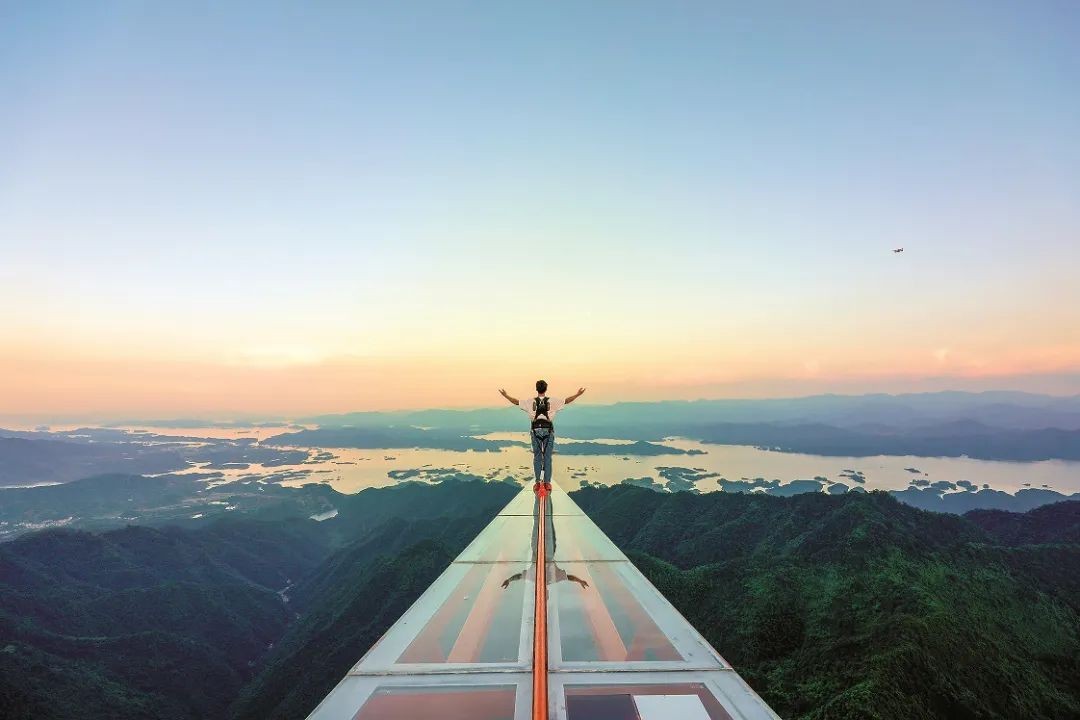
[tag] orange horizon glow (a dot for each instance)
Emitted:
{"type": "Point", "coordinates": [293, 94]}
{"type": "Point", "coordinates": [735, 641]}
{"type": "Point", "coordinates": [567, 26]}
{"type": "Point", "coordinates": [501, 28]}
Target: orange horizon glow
{"type": "Point", "coordinates": [53, 384]}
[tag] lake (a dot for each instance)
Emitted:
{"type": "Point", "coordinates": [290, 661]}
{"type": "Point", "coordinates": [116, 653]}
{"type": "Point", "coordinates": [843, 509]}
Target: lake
{"type": "Point", "coordinates": [351, 470]}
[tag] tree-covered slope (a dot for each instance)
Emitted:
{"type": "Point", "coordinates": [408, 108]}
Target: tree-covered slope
{"type": "Point", "coordinates": [858, 606]}
{"type": "Point", "coordinates": [140, 622]}
{"type": "Point", "coordinates": [1055, 523]}
{"type": "Point", "coordinates": [348, 603]}
{"type": "Point", "coordinates": [172, 623]}
{"type": "Point", "coordinates": [353, 597]}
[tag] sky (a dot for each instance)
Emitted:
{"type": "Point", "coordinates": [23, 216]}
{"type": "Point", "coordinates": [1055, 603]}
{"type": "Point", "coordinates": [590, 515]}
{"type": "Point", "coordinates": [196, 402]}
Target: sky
{"type": "Point", "coordinates": [284, 208]}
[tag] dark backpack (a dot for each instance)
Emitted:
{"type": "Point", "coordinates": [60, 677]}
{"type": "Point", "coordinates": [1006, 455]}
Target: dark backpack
{"type": "Point", "coordinates": [541, 406]}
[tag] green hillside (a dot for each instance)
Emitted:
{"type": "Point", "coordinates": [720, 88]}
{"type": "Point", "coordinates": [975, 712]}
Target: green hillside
{"type": "Point", "coordinates": [859, 606]}
{"type": "Point", "coordinates": [173, 623]}
{"type": "Point", "coordinates": [831, 607]}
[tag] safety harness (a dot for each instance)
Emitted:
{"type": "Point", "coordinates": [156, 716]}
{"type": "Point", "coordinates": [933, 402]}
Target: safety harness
{"type": "Point", "coordinates": [541, 406]}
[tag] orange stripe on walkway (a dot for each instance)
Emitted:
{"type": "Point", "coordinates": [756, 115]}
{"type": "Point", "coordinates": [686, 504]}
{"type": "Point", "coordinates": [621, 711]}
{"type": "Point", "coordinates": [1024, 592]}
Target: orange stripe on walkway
{"type": "Point", "coordinates": [540, 664]}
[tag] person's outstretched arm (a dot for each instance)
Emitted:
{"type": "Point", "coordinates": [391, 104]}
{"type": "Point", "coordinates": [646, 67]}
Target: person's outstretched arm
{"type": "Point", "coordinates": [575, 396]}
{"type": "Point", "coordinates": [512, 401]}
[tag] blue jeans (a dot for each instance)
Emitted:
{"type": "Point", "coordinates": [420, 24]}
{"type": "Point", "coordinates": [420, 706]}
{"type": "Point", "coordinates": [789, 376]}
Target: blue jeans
{"type": "Point", "coordinates": [543, 445]}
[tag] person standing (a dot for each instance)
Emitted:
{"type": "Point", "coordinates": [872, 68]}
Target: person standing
{"type": "Point", "coordinates": [541, 411]}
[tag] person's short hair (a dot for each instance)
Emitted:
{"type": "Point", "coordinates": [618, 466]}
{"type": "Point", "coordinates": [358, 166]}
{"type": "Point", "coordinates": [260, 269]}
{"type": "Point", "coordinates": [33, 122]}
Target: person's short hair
{"type": "Point", "coordinates": [541, 386]}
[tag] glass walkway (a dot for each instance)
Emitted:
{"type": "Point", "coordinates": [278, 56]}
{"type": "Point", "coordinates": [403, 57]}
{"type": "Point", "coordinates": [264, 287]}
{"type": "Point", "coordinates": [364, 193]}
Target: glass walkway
{"type": "Point", "coordinates": [475, 647]}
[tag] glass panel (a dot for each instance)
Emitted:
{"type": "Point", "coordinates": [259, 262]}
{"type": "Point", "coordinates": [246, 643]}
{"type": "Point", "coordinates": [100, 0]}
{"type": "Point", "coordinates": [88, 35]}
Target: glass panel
{"type": "Point", "coordinates": [476, 696]}
{"type": "Point", "coordinates": [604, 617]}
{"type": "Point", "coordinates": [465, 622]}
{"type": "Point", "coordinates": [600, 617]}
{"type": "Point", "coordinates": [507, 538]}
{"type": "Point", "coordinates": [524, 503]}
{"type": "Point", "coordinates": [562, 504]}
{"type": "Point", "coordinates": [479, 622]}
{"type": "Point", "coordinates": [686, 701]}
{"type": "Point", "coordinates": [439, 703]}
{"type": "Point", "coordinates": [578, 538]}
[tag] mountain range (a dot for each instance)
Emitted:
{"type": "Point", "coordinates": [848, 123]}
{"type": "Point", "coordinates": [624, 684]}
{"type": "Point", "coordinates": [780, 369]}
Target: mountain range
{"type": "Point", "coordinates": [848, 606]}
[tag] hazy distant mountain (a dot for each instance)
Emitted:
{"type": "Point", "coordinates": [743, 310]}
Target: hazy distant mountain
{"type": "Point", "coordinates": [991, 425]}
{"type": "Point", "coordinates": [457, 441]}
{"type": "Point", "coordinates": [388, 437]}
{"type": "Point", "coordinates": [1001, 409]}
{"type": "Point", "coordinates": [42, 459]}
{"type": "Point", "coordinates": [952, 439]}
{"type": "Point", "coordinates": [105, 501]}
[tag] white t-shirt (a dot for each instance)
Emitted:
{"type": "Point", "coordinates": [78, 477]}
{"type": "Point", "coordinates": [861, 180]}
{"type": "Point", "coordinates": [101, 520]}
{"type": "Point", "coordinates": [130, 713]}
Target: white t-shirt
{"type": "Point", "coordinates": [554, 406]}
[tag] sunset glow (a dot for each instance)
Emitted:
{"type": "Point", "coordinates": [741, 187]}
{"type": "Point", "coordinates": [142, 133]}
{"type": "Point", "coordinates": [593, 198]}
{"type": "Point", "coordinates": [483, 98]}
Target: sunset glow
{"type": "Point", "coordinates": [289, 214]}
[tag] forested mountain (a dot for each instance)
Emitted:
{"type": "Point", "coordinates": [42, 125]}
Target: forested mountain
{"type": "Point", "coordinates": [169, 623]}
{"type": "Point", "coordinates": [858, 606]}
{"type": "Point", "coordinates": [1056, 523]}
{"type": "Point", "coordinates": [346, 606]}
{"type": "Point", "coordinates": [849, 606]}
{"type": "Point", "coordinates": [140, 622]}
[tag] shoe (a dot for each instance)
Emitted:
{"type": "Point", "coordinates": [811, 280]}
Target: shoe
{"type": "Point", "coordinates": [547, 486]}
{"type": "Point", "coordinates": [536, 487]}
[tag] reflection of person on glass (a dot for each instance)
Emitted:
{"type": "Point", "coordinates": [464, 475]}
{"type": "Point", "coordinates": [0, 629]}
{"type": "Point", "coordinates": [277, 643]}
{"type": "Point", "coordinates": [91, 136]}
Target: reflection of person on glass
{"type": "Point", "coordinates": [558, 575]}
{"type": "Point", "coordinates": [541, 411]}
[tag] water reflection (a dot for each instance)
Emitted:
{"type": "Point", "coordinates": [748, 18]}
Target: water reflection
{"type": "Point", "coordinates": [555, 574]}
{"type": "Point", "coordinates": [467, 702]}
{"type": "Point", "coordinates": [689, 701]}
{"type": "Point", "coordinates": [594, 612]}
{"type": "Point", "coordinates": [477, 622]}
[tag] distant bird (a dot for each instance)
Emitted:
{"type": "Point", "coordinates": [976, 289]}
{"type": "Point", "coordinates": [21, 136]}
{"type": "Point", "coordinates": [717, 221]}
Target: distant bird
{"type": "Point", "coordinates": [898, 250]}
